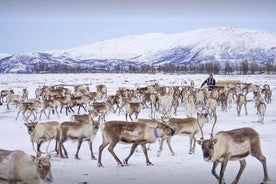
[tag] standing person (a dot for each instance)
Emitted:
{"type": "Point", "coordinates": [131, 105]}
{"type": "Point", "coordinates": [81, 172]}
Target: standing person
{"type": "Point", "coordinates": [210, 81]}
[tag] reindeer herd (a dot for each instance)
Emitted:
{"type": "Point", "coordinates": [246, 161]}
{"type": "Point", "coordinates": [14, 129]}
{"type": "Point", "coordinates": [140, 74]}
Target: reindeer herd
{"type": "Point", "coordinates": [183, 110]}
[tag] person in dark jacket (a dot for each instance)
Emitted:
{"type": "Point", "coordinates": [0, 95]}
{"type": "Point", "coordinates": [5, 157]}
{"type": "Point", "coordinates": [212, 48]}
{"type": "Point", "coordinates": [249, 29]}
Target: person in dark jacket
{"type": "Point", "coordinates": [210, 81]}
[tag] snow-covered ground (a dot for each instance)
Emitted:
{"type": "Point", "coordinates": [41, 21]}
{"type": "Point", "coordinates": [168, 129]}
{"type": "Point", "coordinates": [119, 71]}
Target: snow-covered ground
{"type": "Point", "coordinates": [181, 168]}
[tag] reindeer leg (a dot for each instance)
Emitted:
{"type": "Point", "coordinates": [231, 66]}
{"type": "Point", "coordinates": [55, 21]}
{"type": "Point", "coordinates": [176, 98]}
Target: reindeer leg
{"type": "Point", "coordinates": [262, 159]}
{"type": "Point", "coordinates": [160, 146]}
{"type": "Point", "coordinates": [215, 164]}
{"type": "Point", "coordinates": [18, 115]}
{"type": "Point", "coordinates": [56, 147]}
{"type": "Point", "coordinates": [101, 148]}
{"type": "Point", "coordinates": [222, 170]}
{"type": "Point", "coordinates": [193, 144]}
{"type": "Point", "coordinates": [242, 167]}
{"type": "Point", "coordinates": [91, 150]}
{"type": "Point", "coordinates": [133, 147]}
{"type": "Point", "coordinates": [56, 111]}
{"type": "Point", "coordinates": [78, 149]}
{"type": "Point", "coordinates": [245, 109]}
{"type": "Point", "coordinates": [111, 150]}
{"type": "Point", "coordinates": [169, 144]}
{"type": "Point", "coordinates": [130, 117]}
{"type": "Point", "coordinates": [144, 148]}
{"type": "Point", "coordinates": [136, 115]}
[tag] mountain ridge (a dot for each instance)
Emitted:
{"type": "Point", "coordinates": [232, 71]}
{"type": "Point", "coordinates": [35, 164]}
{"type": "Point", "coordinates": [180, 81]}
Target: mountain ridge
{"type": "Point", "coordinates": [202, 45]}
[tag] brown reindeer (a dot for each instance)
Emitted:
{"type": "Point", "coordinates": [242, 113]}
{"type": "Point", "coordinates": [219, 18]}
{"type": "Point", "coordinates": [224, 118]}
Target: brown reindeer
{"type": "Point", "coordinates": [77, 132]}
{"type": "Point", "coordinates": [136, 133]}
{"type": "Point", "coordinates": [233, 145]}
{"type": "Point", "coordinates": [184, 126]}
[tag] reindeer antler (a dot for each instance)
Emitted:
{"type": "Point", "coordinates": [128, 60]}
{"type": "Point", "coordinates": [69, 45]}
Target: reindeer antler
{"type": "Point", "coordinates": [215, 121]}
{"type": "Point", "coordinates": [200, 128]}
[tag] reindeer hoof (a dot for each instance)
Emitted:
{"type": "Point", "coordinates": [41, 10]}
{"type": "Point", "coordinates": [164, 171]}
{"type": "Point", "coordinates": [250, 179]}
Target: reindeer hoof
{"type": "Point", "coordinates": [100, 165]}
{"type": "Point", "coordinates": [77, 158]}
{"type": "Point", "coordinates": [120, 164]}
{"type": "Point", "coordinates": [149, 164]}
{"type": "Point", "coordinates": [93, 158]}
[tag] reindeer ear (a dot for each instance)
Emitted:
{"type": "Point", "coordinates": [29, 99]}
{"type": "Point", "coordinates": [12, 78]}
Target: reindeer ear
{"type": "Point", "coordinates": [34, 159]}
{"type": "Point", "coordinates": [26, 124]}
{"type": "Point", "coordinates": [214, 141]}
{"type": "Point", "coordinates": [199, 142]}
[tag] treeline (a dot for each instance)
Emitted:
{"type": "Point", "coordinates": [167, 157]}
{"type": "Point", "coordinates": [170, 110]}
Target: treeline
{"type": "Point", "coordinates": [245, 67]}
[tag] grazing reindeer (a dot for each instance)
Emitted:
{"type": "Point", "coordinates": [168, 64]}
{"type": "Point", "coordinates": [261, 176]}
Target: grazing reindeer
{"type": "Point", "coordinates": [19, 167]}
{"type": "Point", "coordinates": [137, 133]}
{"type": "Point", "coordinates": [184, 126]}
{"type": "Point", "coordinates": [232, 145]}
{"type": "Point", "coordinates": [241, 100]}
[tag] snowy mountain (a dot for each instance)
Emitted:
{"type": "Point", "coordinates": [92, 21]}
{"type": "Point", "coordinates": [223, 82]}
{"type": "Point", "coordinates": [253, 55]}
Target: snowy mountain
{"type": "Point", "coordinates": [203, 45]}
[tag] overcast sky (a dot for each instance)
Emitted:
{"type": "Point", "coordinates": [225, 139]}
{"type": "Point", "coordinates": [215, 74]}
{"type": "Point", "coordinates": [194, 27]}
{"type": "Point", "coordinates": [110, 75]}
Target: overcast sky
{"type": "Point", "coordinates": [41, 25]}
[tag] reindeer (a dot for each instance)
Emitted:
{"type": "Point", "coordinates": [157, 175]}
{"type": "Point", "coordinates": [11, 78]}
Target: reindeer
{"type": "Point", "coordinates": [77, 131]}
{"type": "Point", "coordinates": [31, 106]}
{"type": "Point", "coordinates": [25, 94]}
{"type": "Point", "coordinates": [232, 145]}
{"type": "Point", "coordinates": [241, 100]}
{"type": "Point", "coordinates": [261, 108]}
{"type": "Point", "coordinates": [184, 126]}
{"type": "Point", "coordinates": [267, 93]}
{"type": "Point", "coordinates": [84, 118]}
{"type": "Point", "coordinates": [212, 107]}
{"type": "Point", "coordinates": [101, 89]}
{"type": "Point", "coordinates": [4, 93]}
{"type": "Point", "coordinates": [13, 98]}
{"type": "Point", "coordinates": [100, 109]}
{"type": "Point", "coordinates": [133, 107]}
{"type": "Point", "coordinates": [50, 104]}
{"type": "Point", "coordinates": [42, 132]}
{"type": "Point", "coordinates": [137, 133]}
{"type": "Point", "coordinates": [19, 167]}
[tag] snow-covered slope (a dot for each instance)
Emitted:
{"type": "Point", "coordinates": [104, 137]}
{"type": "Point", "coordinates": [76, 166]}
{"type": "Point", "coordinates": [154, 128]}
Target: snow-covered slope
{"type": "Point", "coordinates": [210, 44]}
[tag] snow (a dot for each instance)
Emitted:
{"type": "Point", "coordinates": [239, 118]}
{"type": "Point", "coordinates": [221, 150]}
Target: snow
{"type": "Point", "coordinates": [181, 168]}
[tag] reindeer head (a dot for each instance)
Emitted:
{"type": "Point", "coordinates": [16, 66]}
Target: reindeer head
{"type": "Point", "coordinates": [207, 147]}
{"type": "Point", "coordinates": [43, 166]}
{"type": "Point", "coordinates": [164, 130]}
{"type": "Point", "coordinates": [30, 125]}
